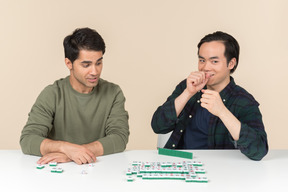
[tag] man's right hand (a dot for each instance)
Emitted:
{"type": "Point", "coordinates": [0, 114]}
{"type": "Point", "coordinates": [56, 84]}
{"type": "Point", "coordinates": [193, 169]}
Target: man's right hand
{"type": "Point", "coordinates": [196, 81]}
{"type": "Point", "coordinates": [53, 157]}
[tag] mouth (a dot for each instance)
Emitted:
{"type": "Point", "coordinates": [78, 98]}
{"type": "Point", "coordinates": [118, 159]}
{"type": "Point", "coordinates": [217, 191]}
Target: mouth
{"type": "Point", "coordinates": [209, 75]}
{"type": "Point", "coordinates": [92, 80]}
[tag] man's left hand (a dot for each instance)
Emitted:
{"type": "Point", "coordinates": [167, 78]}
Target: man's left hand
{"type": "Point", "coordinates": [212, 101]}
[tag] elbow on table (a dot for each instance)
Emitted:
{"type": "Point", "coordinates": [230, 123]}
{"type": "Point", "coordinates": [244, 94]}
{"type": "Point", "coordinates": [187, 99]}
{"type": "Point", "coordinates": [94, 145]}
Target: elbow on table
{"type": "Point", "coordinates": [28, 148]}
{"type": "Point", "coordinates": [259, 155]}
{"type": "Point", "coordinates": [25, 147]}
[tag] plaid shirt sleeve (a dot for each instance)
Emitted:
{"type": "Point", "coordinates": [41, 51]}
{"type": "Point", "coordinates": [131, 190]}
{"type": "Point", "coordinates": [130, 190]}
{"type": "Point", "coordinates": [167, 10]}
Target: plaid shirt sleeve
{"type": "Point", "coordinates": [253, 139]}
{"type": "Point", "coordinates": [164, 119]}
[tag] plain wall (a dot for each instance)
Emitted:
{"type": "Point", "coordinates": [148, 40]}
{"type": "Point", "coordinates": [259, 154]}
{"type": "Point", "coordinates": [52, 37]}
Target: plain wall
{"type": "Point", "coordinates": [151, 47]}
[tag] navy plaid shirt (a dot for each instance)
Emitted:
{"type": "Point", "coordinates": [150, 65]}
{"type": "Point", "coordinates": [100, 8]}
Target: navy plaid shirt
{"type": "Point", "coordinates": [253, 139]}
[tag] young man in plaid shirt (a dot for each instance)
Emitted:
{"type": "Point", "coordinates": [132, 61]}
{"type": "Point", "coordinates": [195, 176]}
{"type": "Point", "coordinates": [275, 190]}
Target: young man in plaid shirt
{"type": "Point", "coordinates": [208, 110]}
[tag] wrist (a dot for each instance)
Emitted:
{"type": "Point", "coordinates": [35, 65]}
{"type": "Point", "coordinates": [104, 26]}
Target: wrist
{"type": "Point", "coordinates": [224, 112]}
{"type": "Point", "coordinates": [63, 146]}
{"type": "Point", "coordinates": [95, 147]}
{"type": "Point", "coordinates": [187, 94]}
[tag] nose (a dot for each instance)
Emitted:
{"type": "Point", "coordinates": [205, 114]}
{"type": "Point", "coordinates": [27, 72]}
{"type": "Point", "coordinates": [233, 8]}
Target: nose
{"type": "Point", "coordinates": [206, 67]}
{"type": "Point", "coordinates": [94, 70]}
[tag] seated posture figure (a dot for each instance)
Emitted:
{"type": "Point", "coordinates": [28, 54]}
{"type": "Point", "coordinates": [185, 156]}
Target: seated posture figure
{"type": "Point", "coordinates": [208, 110]}
{"type": "Point", "coordinates": [81, 116]}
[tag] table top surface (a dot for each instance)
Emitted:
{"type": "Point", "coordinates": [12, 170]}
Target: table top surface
{"type": "Point", "coordinates": [227, 170]}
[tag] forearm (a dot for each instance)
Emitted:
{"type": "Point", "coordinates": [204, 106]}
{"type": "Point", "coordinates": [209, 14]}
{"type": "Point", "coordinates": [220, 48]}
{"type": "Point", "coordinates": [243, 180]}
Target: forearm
{"type": "Point", "coordinates": [181, 101]}
{"type": "Point", "coordinates": [96, 147]}
{"type": "Point", "coordinates": [231, 122]}
{"type": "Point", "coordinates": [51, 146]}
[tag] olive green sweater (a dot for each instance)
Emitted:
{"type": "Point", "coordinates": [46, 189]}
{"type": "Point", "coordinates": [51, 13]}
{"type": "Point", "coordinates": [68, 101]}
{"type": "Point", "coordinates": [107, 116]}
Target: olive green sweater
{"type": "Point", "coordinates": [63, 114]}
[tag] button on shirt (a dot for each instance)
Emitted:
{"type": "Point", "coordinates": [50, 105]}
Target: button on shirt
{"type": "Point", "coordinates": [196, 134]}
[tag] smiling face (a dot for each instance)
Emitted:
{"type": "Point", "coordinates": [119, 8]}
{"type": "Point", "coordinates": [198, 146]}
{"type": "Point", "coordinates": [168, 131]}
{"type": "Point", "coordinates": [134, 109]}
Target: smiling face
{"type": "Point", "coordinates": [85, 71]}
{"type": "Point", "coordinates": [213, 62]}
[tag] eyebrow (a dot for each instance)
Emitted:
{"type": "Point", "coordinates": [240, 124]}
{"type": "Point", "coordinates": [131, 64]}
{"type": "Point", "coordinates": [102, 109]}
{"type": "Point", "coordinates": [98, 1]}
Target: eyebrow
{"type": "Point", "coordinates": [91, 61]}
{"type": "Point", "coordinates": [215, 57]}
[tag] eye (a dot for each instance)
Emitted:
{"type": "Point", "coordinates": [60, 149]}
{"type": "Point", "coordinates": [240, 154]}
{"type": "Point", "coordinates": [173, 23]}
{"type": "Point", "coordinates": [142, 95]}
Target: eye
{"type": "Point", "coordinates": [214, 62]}
{"type": "Point", "coordinates": [99, 63]}
{"type": "Point", "coordinates": [85, 65]}
{"type": "Point", "coordinates": [201, 60]}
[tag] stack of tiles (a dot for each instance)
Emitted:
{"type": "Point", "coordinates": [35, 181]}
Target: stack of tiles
{"type": "Point", "coordinates": [186, 170]}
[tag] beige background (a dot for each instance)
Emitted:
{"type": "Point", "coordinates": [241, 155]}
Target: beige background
{"type": "Point", "coordinates": [151, 47]}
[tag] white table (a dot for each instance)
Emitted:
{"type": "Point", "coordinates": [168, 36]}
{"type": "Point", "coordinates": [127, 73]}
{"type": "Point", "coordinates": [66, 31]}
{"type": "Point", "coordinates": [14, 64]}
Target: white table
{"type": "Point", "coordinates": [227, 170]}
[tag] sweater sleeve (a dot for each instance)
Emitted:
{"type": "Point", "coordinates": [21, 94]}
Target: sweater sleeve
{"type": "Point", "coordinates": [39, 123]}
{"type": "Point", "coordinates": [117, 128]}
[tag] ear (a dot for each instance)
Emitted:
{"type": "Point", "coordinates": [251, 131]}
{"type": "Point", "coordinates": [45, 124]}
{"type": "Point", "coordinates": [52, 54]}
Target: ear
{"type": "Point", "coordinates": [68, 63]}
{"type": "Point", "coordinates": [232, 63]}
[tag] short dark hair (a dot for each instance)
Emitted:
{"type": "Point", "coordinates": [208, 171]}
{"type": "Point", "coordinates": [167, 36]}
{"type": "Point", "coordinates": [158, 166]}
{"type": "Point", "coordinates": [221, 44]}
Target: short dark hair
{"type": "Point", "coordinates": [232, 47]}
{"type": "Point", "coordinates": [82, 39]}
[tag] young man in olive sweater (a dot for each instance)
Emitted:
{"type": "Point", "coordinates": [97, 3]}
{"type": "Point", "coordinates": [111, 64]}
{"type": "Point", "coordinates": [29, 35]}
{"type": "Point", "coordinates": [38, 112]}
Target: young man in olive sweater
{"type": "Point", "coordinates": [81, 116]}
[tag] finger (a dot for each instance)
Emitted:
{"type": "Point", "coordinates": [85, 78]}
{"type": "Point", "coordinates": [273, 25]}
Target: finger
{"type": "Point", "coordinates": [48, 160]}
{"type": "Point", "coordinates": [94, 159]}
{"type": "Point", "coordinates": [43, 160]}
{"type": "Point", "coordinates": [209, 92]}
{"type": "Point", "coordinates": [86, 158]}
{"type": "Point", "coordinates": [206, 96]}
{"type": "Point", "coordinates": [196, 74]}
{"type": "Point", "coordinates": [197, 78]}
{"type": "Point", "coordinates": [205, 81]}
{"type": "Point", "coordinates": [204, 105]}
{"type": "Point", "coordinates": [40, 160]}
{"type": "Point", "coordinates": [78, 161]}
{"type": "Point", "coordinates": [90, 157]}
{"type": "Point", "coordinates": [204, 100]}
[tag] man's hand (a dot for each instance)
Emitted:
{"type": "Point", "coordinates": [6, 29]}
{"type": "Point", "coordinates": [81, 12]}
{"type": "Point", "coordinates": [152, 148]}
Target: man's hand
{"type": "Point", "coordinates": [212, 101]}
{"type": "Point", "coordinates": [53, 157]}
{"type": "Point", "coordinates": [79, 154]}
{"type": "Point", "coordinates": [196, 81]}
{"type": "Point", "coordinates": [96, 147]}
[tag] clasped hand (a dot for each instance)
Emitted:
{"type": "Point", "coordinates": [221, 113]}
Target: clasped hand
{"type": "Point", "coordinates": [71, 152]}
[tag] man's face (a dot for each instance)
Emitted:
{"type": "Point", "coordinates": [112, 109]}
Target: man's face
{"type": "Point", "coordinates": [85, 70]}
{"type": "Point", "coordinates": [213, 62]}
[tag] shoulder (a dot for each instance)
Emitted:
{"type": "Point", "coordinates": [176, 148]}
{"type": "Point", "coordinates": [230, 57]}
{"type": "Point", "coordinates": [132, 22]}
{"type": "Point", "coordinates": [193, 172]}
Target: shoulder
{"type": "Point", "coordinates": [50, 91]}
{"type": "Point", "coordinates": [243, 96]}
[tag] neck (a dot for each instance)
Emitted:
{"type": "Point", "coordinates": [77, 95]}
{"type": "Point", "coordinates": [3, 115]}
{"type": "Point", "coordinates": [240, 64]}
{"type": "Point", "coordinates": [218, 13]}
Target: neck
{"type": "Point", "coordinates": [77, 86]}
{"type": "Point", "coordinates": [219, 87]}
